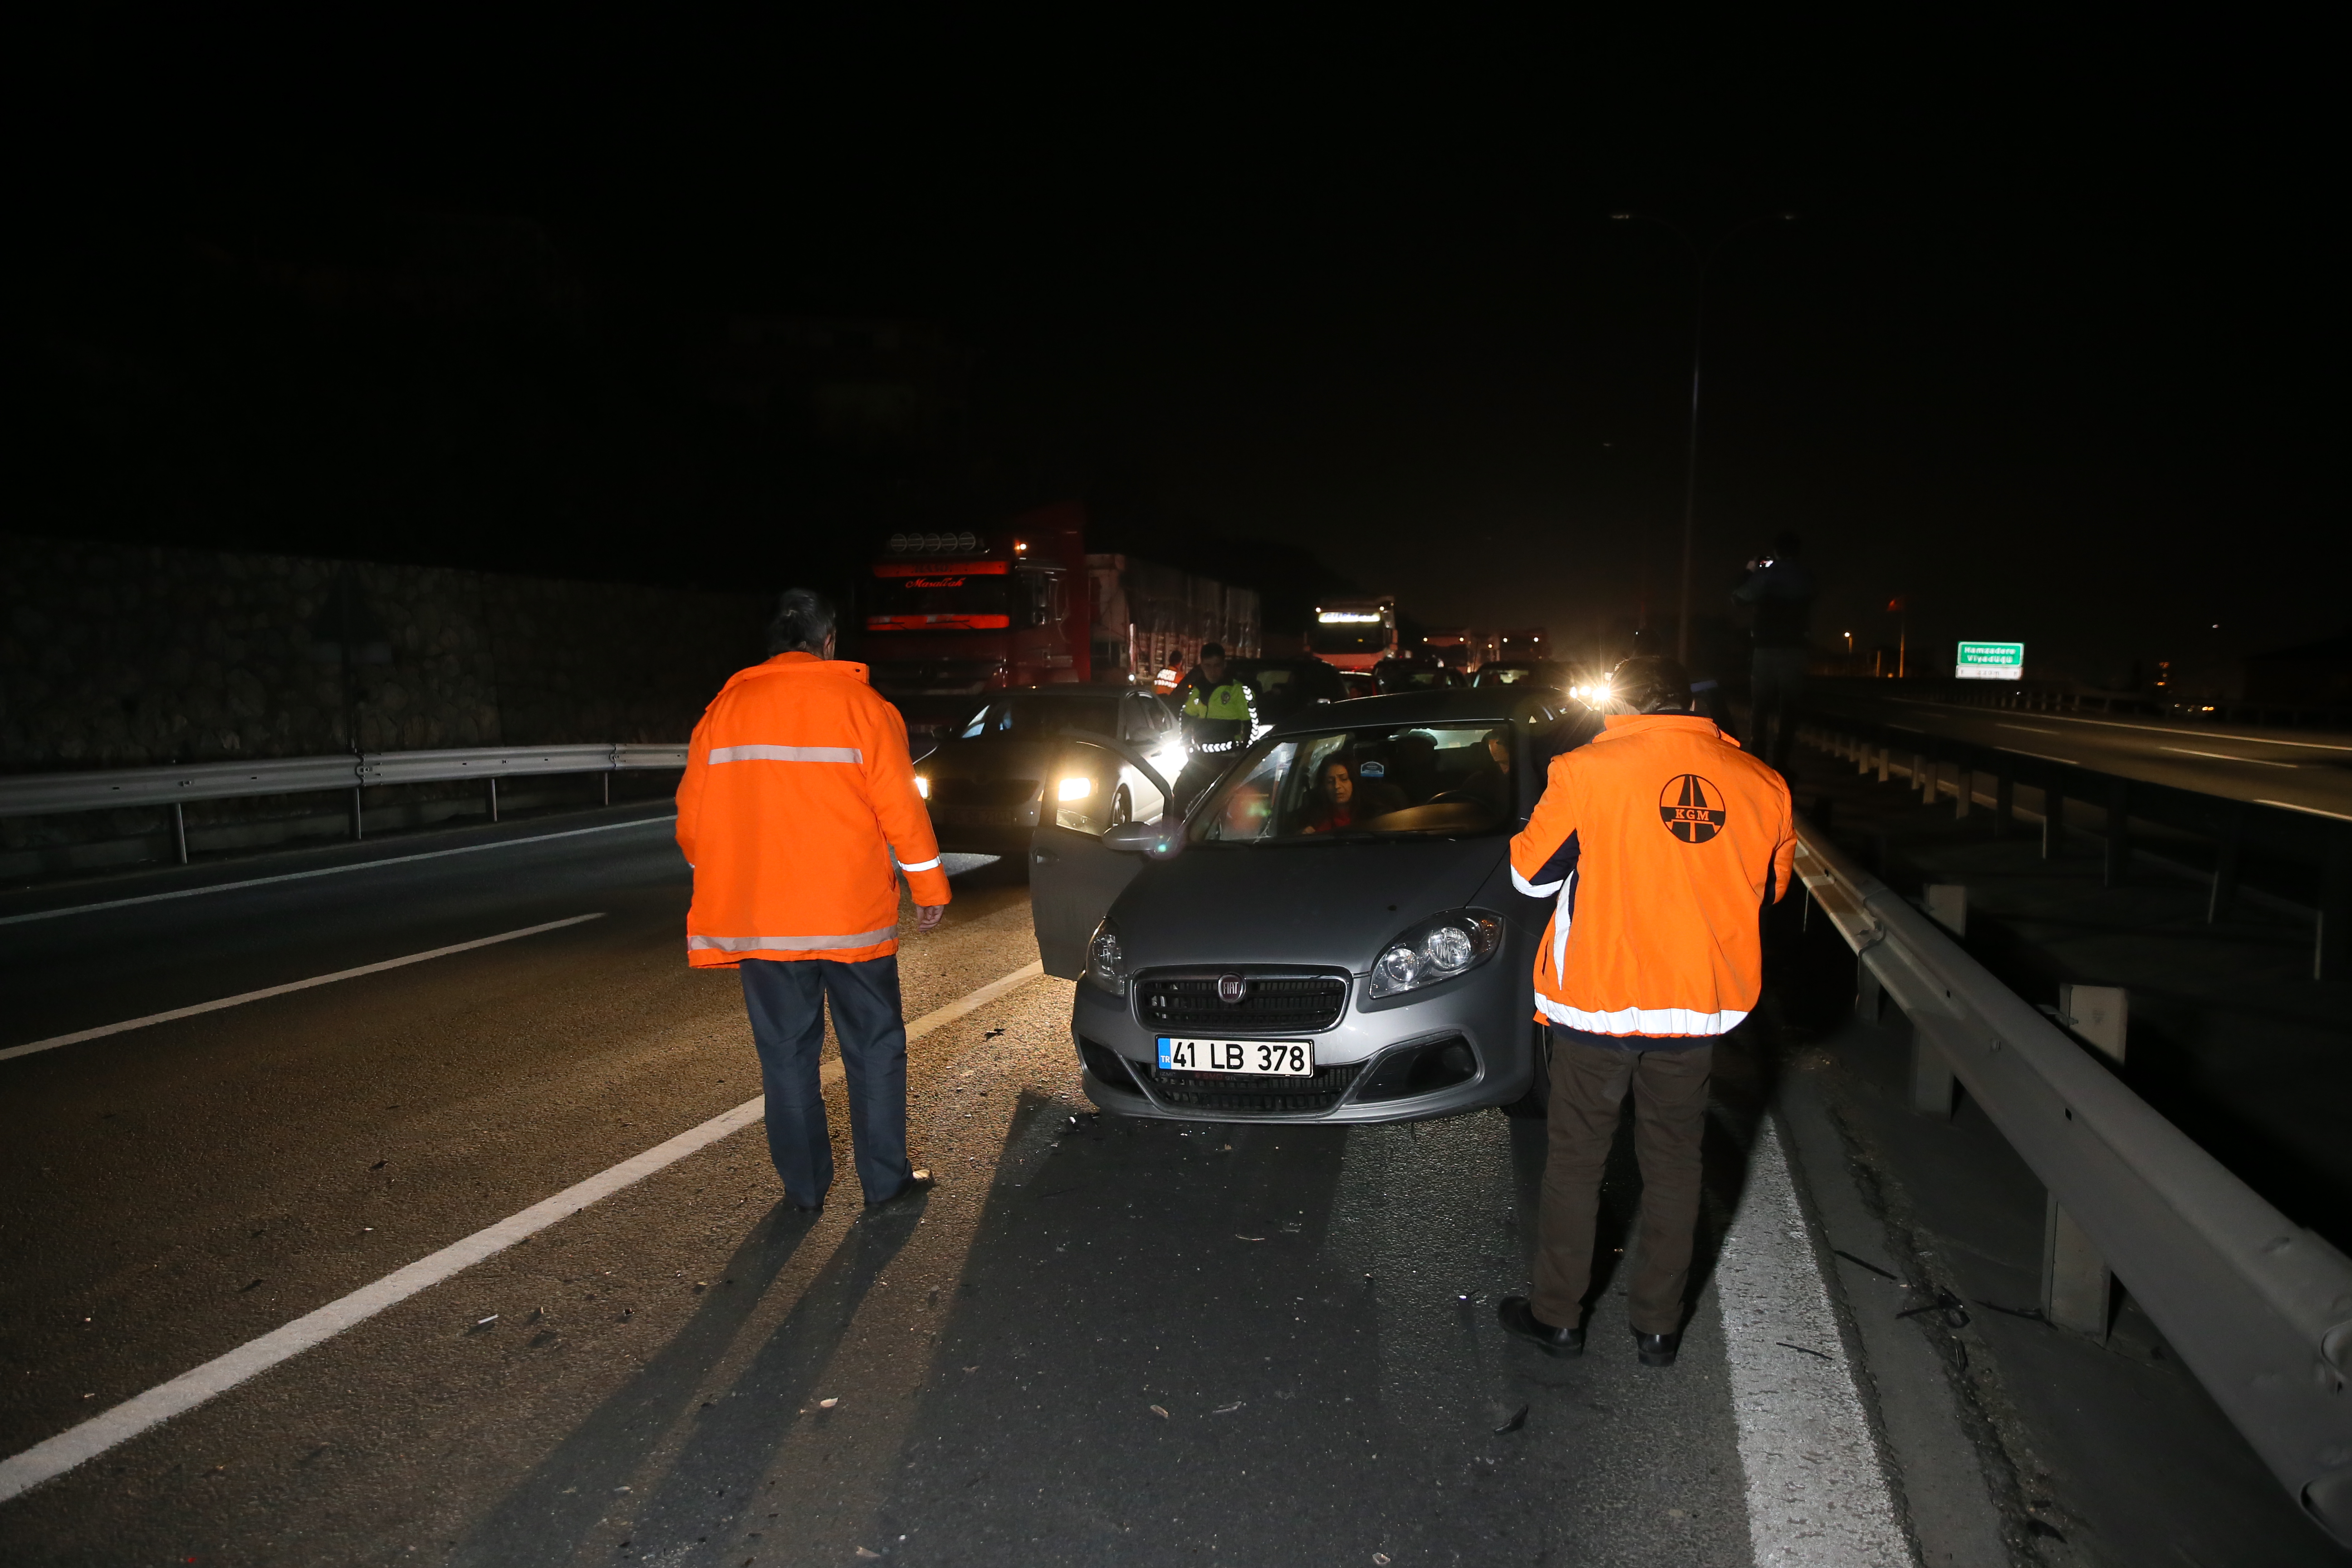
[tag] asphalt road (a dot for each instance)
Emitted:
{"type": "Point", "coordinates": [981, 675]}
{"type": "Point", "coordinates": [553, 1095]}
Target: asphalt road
{"type": "Point", "coordinates": [2301, 770]}
{"type": "Point", "coordinates": [1097, 1342]}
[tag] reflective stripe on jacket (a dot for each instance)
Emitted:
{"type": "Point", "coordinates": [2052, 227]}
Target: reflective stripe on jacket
{"type": "Point", "coordinates": [1218, 719]}
{"type": "Point", "coordinates": [798, 793]}
{"type": "Point", "coordinates": [1658, 842]}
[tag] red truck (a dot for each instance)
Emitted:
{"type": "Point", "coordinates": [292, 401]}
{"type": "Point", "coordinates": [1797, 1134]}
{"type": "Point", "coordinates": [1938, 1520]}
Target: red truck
{"type": "Point", "coordinates": [949, 615]}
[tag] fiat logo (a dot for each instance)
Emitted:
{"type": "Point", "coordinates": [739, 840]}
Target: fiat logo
{"type": "Point", "coordinates": [1230, 988]}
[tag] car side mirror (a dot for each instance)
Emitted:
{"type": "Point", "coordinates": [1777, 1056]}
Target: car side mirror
{"type": "Point", "coordinates": [1161, 840]}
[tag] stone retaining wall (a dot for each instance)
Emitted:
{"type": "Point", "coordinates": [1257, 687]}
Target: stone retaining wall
{"type": "Point", "coordinates": [125, 655]}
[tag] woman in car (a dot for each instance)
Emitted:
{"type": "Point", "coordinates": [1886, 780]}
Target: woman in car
{"type": "Point", "coordinates": [1340, 802]}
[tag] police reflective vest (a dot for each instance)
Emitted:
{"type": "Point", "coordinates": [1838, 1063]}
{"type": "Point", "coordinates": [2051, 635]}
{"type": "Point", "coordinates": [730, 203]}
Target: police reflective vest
{"type": "Point", "coordinates": [1218, 719]}
{"type": "Point", "coordinates": [798, 794]}
{"type": "Point", "coordinates": [1657, 843]}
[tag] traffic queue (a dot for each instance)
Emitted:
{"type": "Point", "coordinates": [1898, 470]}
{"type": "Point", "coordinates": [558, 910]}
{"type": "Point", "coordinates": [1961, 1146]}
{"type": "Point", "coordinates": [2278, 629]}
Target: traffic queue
{"type": "Point", "coordinates": [1287, 909]}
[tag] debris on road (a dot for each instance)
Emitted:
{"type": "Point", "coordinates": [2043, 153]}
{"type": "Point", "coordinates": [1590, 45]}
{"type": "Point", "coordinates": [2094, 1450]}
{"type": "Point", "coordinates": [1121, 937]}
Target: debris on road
{"type": "Point", "coordinates": [486, 1322]}
{"type": "Point", "coordinates": [1159, 1411]}
{"type": "Point", "coordinates": [1228, 1409]}
{"type": "Point", "coordinates": [1518, 1419]}
{"type": "Point", "coordinates": [1238, 1237]}
{"type": "Point", "coordinates": [864, 1555]}
{"type": "Point", "coordinates": [827, 1403]}
{"type": "Point", "coordinates": [1379, 1560]}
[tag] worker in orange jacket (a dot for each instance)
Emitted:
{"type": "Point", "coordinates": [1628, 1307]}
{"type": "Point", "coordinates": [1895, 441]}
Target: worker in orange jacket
{"type": "Point", "coordinates": [798, 794]}
{"type": "Point", "coordinates": [1660, 842]}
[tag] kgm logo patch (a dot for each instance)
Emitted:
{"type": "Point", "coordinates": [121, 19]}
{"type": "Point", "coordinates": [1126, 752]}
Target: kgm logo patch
{"type": "Point", "coordinates": [1691, 808]}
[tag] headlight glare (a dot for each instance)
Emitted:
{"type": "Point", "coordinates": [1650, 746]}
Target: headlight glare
{"type": "Point", "coordinates": [922, 786]}
{"type": "Point", "coordinates": [1075, 789]}
{"type": "Point", "coordinates": [1106, 960]}
{"type": "Point", "coordinates": [1435, 950]}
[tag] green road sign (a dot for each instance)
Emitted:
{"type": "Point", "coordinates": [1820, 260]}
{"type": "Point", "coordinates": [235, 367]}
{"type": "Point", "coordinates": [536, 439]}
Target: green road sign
{"type": "Point", "coordinates": [1990, 661]}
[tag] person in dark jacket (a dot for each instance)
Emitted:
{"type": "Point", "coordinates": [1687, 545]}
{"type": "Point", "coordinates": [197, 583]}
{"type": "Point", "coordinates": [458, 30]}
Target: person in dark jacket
{"type": "Point", "coordinates": [1779, 592]}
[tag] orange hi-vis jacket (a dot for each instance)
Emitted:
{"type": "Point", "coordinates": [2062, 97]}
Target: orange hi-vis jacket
{"type": "Point", "coordinates": [798, 792]}
{"type": "Point", "coordinates": [1659, 841]}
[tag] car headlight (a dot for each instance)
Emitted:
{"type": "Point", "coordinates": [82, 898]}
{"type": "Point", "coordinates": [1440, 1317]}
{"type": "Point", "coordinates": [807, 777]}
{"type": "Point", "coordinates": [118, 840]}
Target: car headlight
{"type": "Point", "coordinates": [922, 786]}
{"type": "Point", "coordinates": [1075, 789]}
{"type": "Point", "coordinates": [1105, 961]}
{"type": "Point", "coordinates": [1436, 950]}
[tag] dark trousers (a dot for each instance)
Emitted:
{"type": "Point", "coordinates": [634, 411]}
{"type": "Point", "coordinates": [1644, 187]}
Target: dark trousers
{"type": "Point", "coordinates": [1588, 1090]}
{"type": "Point", "coordinates": [786, 1002]}
{"type": "Point", "coordinates": [1776, 692]}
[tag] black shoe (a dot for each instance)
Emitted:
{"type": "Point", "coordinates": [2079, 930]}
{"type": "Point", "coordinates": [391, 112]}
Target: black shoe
{"type": "Point", "coordinates": [1519, 1320]}
{"type": "Point", "coordinates": [913, 1185]}
{"type": "Point", "coordinates": [1657, 1349]}
{"type": "Point", "coordinates": [797, 1206]}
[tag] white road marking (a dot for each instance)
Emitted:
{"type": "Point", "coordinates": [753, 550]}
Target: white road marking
{"type": "Point", "coordinates": [79, 1035]}
{"type": "Point", "coordinates": [141, 1412]}
{"type": "Point", "coordinates": [1817, 1492]}
{"type": "Point", "coordinates": [327, 871]}
{"type": "Point", "coordinates": [2030, 728]}
{"type": "Point", "coordinates": [2312, 810]}
{"type": "Point", "coordinates": [2126, 724]}
{"type": "Point", "coordinates": [2226, 757]}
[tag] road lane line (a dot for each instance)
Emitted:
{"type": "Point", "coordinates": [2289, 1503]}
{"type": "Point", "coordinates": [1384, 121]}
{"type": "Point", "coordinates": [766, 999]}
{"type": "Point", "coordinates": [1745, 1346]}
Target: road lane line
{"type": "Point", "coordinates": [2030, 728]}
{"type": "Point", "coordinates": [79, 1035]}
{"type": "Point", "coordinates": [1817, 1492]}
{"type": "Point", "coordinates": [2123, 725]}
{"type": "Point", "coordinates": [327, 871]}
{"type": "Point", "coordinates": [143, 1412]}
{"type": "Point", "coordinates": [2226, 757]}
{"type": "Point", "coordinates": [2312, 810]}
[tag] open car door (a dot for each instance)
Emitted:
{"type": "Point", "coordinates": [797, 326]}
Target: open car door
{"type": "Point", "coordinates": [1074, 876]}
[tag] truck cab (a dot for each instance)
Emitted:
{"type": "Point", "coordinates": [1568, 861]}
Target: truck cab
{"type": "Point", "coordinates": [1354, 634]}
{"type": "Point", "coordinates": [950, 616]}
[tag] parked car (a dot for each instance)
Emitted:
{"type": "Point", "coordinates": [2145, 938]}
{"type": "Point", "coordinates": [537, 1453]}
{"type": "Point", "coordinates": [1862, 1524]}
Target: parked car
{"type": "Point", "coordinates": [1010, 767]}
{"type": "Point", "coordinates": [1274, 957]}
{"type": "Point", "coordinates": [1285, 686]}
{"type": "Point", "coordinates": [1394, 674]}
{"type": "Point", "coordinates": [1525, 672]}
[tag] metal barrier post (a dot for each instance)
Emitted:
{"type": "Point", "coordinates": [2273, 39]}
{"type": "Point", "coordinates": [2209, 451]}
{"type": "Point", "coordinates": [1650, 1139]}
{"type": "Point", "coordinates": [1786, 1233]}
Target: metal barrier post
{"type": "Point", "coordinates": [2118, 856]}
{"type": "Point", "coordinates": [358, 825]}
{"type": "Point", "coordinates": [180, 832]}
{"type": "Point", "coordinates": [1885, 762]}
{"type": "Point", "coordinates": [2004, 799]}
{"type": "Point", "coordinates": [1934, 1091]}
{"type": "Point", "coordinates": [493, 782]}
{"type": "Point", "coordinates": [2228, 847]}
{"type": "Point", "coordinates": [2053, 820]}
{"type": "Point", "coordinates": [2331, 954]}
{"type": "Point", "coordinates": [1965, 795]}
{"type": "Point", "coordinates": [2077, 1288]}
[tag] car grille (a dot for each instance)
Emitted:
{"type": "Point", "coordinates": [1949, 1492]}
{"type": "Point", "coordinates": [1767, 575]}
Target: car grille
{"type": "Point", "coordinates": [1223, 1091]}
{"type": "Point", "coordinates": [982, 791]}
{"type": "Point", "coordinates": [1273, 1003]}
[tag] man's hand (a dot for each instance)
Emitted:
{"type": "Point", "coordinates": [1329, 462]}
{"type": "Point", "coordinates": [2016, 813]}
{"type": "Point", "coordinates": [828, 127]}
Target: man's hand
{"type": "Point", "coordinates": [928, 916]}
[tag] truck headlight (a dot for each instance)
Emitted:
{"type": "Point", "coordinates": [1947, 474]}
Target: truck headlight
{"type": "Point", "coordinates": [1075, 789]}
{"type": "Point", "coordinates": [1106, 960]}
{"type": "Point", "coordinates": [1436, 950]}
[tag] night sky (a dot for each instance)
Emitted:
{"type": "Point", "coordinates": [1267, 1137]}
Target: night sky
{"type": "Point", "coordinates": [2051, 351]}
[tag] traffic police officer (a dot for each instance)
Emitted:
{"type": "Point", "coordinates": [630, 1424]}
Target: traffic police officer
{"type": "Point", "coordinates": [1219, 716]}
{"type": "Point", "coordinates": [1660, 842]}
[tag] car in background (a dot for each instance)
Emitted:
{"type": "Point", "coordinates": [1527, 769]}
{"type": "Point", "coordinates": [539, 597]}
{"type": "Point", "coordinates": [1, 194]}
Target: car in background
{"type": "Point", "coordinates": [1283, 688]}
{"type": "Point", "coordinates": [1271, 958]}
{"type": "Point", "coordinates": [1011, 766]}
{"type": "Point", "coordinates": [1359, 683]}
{"type": "Point", "coordinates": [1524, 672]}
{"type": "Point", "coordinates": [1392, 675]}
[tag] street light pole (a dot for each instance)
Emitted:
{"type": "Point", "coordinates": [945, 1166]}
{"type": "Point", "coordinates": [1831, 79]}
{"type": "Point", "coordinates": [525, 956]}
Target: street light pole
{"type": "Point", "coordinates": [1700, 255]}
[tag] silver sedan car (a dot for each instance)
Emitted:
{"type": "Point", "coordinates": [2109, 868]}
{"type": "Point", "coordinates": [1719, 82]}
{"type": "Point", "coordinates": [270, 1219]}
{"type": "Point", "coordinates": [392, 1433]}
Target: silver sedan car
{"type": "Point", "coordinates": [1330, 934]}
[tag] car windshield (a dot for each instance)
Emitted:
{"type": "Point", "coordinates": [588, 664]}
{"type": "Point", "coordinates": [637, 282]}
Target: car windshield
{"type": "Point", "coordinates": [1381, 780]}
{"type": "Point", "coordinates": [946, 600]}
{"type": "Point", "coordinates": [1041, 717]}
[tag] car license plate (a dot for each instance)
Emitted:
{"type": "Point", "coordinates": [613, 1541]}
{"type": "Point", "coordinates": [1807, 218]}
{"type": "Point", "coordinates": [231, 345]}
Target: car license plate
{"type": "Point", "coordinates": [1258, 1059]}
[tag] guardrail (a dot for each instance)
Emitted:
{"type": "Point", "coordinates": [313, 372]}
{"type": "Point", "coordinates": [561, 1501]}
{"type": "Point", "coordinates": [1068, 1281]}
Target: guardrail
{"type": "Point", "coordinates": [2258, 1308]}
{"type": "Point", "coordinates": [2286, 835]}
{"type": "Point", "coordinates": [47, 794]}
